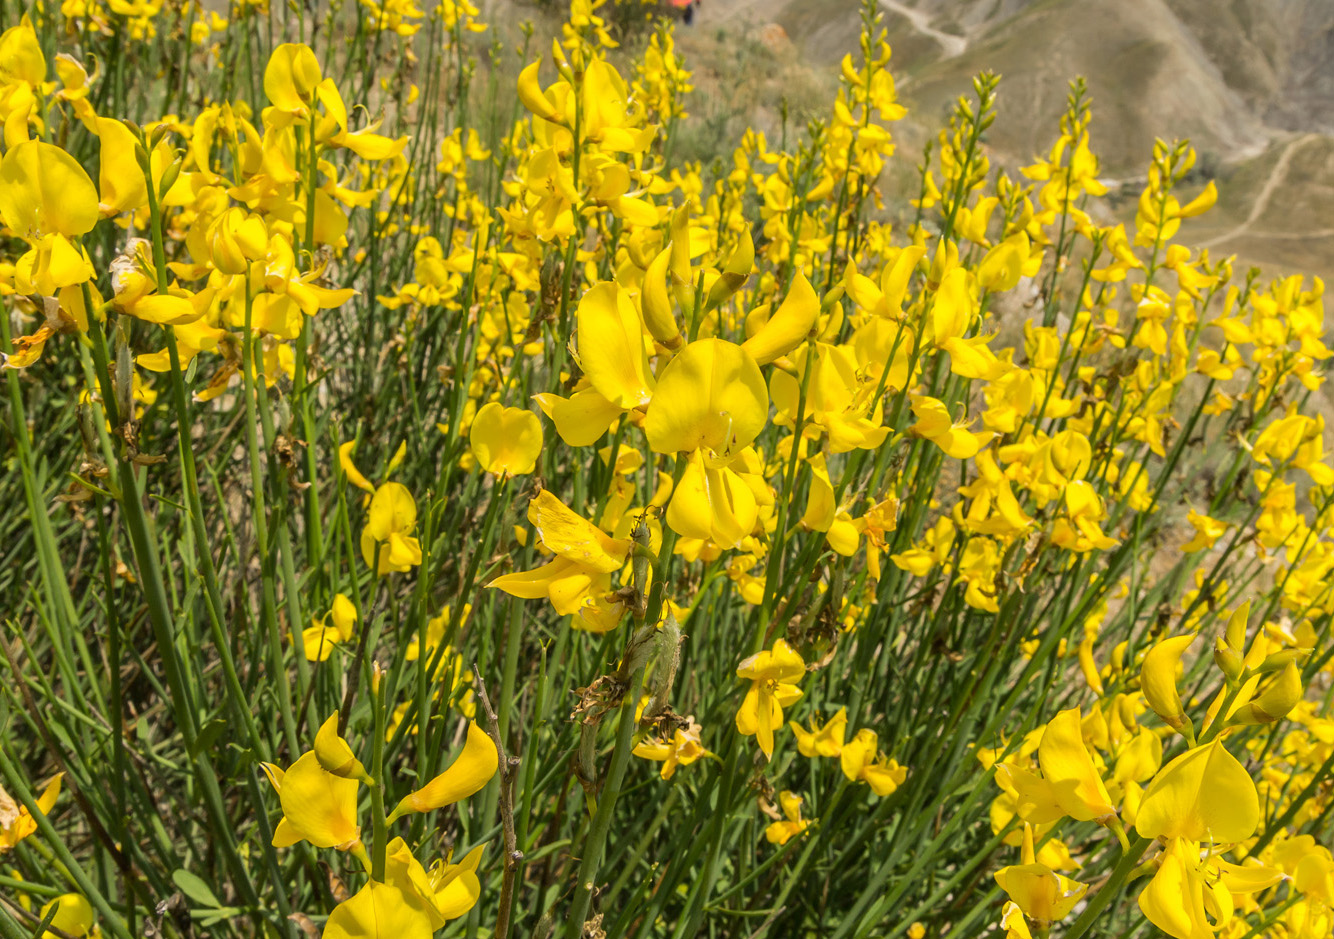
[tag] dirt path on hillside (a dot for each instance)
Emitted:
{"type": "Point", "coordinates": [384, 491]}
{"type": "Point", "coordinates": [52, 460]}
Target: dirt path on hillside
{"type": "Point", "coordinates": [1276, 177]}
{"type": "Point", "coordinates": [952, 45]}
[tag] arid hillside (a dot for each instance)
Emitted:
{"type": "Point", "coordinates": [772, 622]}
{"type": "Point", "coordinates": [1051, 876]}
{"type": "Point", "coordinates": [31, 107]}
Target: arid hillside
{"type": "Point", "coordinates": [1250, 82]}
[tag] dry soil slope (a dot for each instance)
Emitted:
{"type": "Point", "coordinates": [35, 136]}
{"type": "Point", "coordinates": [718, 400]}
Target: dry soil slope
{"type": "Point", "coordinates": [1245, 80]}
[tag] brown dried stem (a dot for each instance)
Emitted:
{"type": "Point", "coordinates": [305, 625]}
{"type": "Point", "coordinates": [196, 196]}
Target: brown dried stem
{"type": "Point", "coordinates": [509, 766]}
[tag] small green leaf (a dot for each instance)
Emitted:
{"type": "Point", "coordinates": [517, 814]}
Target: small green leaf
{"type": "Point", "coordinates": [194, 888]}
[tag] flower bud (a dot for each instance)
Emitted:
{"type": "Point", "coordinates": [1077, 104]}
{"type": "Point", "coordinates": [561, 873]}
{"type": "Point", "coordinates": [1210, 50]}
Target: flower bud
{"type": "Point", "coordinates": [1158, 679]}
{"type": "Point", "coordinates": [169, 177]}
{"type": "Point", "coordinates": [1280, 660]}
{"type": "Point", "coordinates": [334, 754]}
{"type": "Point", "coordinates": [1228, 659]}
{"type": "Point", "coordinates": [235, 239]}
{"type": "Point", "coordinates": [1236, 626]}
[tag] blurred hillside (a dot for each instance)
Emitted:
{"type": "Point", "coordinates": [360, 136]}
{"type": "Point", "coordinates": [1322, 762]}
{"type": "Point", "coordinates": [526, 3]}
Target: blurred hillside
{"type": "Point", "coordinates": [1250, 82]}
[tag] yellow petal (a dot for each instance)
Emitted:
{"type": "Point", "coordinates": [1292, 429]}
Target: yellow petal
{"type": "Point", "coordinates": [119, 176]}
{"type": "Point", "coordinates": [344, 616]}
{"type": "Point", "coordinates": [656, 302]}
{"type": "Point", "coordinates": [466, 775]}
{"type": "Point", "coordinates": [457, 888]}
{"type": "Point", "coordinates": [1173, 903]}
{"type": "Point", "coordinates": [291, 77]}
{"type": "Point", "coordinates": [505, 441]}
{"type": "Point", "coordinates": [790, 324]}
{"type": "Point", "coordinates": [1158, 678]}
{"type": "Point", "coordinates": [353, 474]}
{"type": "Point", "coordinates": [581, 418]}
{"type": "Point", "coordinates": [21, 58]}
{"type": "Point", "coordinates": [320, 806]}
{"type": "Point", "coordinates": [73, 916]}
{"type": "Point", "coordinates": [393, 510]}
{"type": "Point", "coordinates": [575, 538]}
{"type": "Point", "coordinates": [711, 395]}
{"type": "Point", "coordinates": [43, 190]}
{"type": "Point", "coordinates": [611, 346]}
{"type": "Point", "coordinates": [1069, 770]}
{"type": "Point", "coordinates": [531, 94]}
{"type": "Point", "coordinates": [380, 911]}
{"type": "Point", "coordinates": [734, 273]}
{"type": "Point", "coordinates": [333, 752]}
{"type": "Point", "coordinates": [1275, 701]}
{"type": "Point", "coordinates": [1202, 795]}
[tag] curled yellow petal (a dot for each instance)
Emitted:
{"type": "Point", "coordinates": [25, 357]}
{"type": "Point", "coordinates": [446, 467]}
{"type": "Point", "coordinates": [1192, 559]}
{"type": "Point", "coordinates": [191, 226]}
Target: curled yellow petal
{"type": "Point", "coordinates": [532, 96]}
{"type": "Point", "coordinates": [656, 302]}
{"type": "Point", "coordinates": [791, 323]}
{"type": "Point", "coordinates": [466, 775]}
{"type": "Point", "coordinates": [353, 474]}
{"type": "Point", "coordinates": [1069, 770]}
{"type": "Point", "coordinates": [1158, 679]}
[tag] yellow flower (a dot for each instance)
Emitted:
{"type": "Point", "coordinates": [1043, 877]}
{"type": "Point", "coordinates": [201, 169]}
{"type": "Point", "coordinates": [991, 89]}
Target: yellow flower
{"type": "Point", "coordinates": [578, 580]}
{"type": "Point", "coordinates": [318, 640]}
{"type": "Point", "coordinates": [318, 806]}
{"type": "Point", "coordinates": [15, 821]}
{"type": "Point", "coordinates": [1192, 897]}
{"type": "Point", "coordinates": [73, 914]}
{"type": "Point", "coordinates": [773, 675]}
{"type": "Point", "coordinates": [393, 515]}
{"type": "Point", "coordinates": [1207, 531]}
{"type": "Point", "coordinates": [935, 424]}
{"type": "Point", "coordinates": [826, 741]}
{"type": "Point", "coordinates": [862, 761]}
{"type": "Point", "coordinates": [682, 749]}
{"type": "Point", "coordinates": [781, 832]}
{"type": "Point", "coordinates": [1043, 895]}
